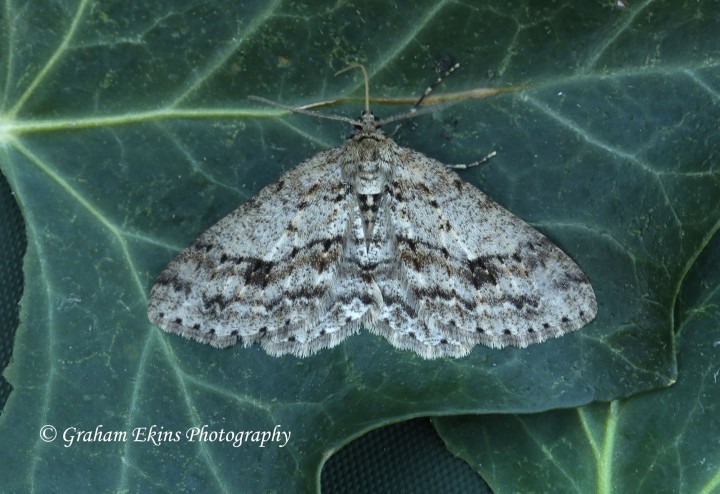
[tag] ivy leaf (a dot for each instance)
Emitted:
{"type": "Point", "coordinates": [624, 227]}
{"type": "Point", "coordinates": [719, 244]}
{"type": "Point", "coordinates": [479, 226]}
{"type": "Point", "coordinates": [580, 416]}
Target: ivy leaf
{"type": "Point", "coordinates": [126, 132]}
{"type": "Point", "coordinates": [660, 441]}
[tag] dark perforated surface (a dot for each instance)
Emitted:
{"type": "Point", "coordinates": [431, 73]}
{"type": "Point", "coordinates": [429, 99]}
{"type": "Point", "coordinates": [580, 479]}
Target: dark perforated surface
{"type": "Point", "coordinates": [12, 249]}
{"type": "Point", "coordinates": [403, 458]}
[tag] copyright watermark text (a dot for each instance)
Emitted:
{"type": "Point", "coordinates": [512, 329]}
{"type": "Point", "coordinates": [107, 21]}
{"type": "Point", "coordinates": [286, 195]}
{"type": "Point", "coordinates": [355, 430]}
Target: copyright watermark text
{"type": "Point", "coordinates": [157, 435]}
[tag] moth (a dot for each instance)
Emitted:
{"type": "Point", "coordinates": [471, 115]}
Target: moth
{"type": "Point", "coordinates": [371, 234]}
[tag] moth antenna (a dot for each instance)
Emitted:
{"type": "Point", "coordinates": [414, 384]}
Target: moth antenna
{"type": "Point", "coordinates": [415, 111]}
{"type": "Point", "coordinates": [432, 86]}
{"type": "Point", "coordinates": [302, 111]}
{"type": "Point", "coordinates": [367, 81]}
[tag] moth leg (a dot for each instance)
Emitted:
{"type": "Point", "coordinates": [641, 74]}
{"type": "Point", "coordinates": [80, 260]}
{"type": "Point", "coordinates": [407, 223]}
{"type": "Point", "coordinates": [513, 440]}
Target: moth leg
{"type": "Point", "coordinates": [482, 161]}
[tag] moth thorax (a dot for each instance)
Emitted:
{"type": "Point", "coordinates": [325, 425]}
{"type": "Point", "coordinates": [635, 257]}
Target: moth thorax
{"type": "Point", "coordinates": [370, 177]}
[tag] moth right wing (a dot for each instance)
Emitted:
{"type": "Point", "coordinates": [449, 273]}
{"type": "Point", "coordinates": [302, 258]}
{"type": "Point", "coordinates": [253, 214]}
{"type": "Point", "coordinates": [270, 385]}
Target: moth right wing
{"type": "Point", "coordinates": [468, 271]}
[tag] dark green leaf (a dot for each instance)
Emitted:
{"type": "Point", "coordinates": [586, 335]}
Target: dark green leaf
{"type": "Point", "coordinates": [126, 133]}
{"type": "Point", "coordinates": [660, 441]}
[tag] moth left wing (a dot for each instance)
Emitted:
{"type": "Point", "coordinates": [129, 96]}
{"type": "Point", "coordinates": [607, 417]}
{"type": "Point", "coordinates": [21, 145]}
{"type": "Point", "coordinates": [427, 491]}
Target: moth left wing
{"type": "Point", "coordinates": [269, 271]}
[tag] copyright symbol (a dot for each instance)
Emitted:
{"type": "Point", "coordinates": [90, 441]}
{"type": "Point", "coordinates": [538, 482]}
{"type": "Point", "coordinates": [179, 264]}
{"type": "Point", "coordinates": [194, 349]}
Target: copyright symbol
{"type": "Point", "coordinates": [48, 433]}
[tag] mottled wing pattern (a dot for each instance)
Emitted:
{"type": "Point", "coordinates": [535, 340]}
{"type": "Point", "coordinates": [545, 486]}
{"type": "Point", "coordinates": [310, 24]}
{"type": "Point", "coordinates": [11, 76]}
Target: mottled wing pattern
{"type": "Point", "coordinates": [469, 272]}
{"type": "Point", "coordinates": [270, 271]}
